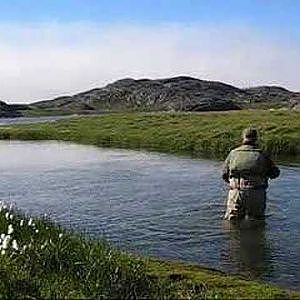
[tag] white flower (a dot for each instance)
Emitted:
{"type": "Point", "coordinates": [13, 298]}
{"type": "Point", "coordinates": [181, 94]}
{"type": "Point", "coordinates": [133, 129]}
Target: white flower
{"type": "Point", "coordinates": [15, 245]}
{"type": "Point", "coordinates": [6, 242]}
{"type": "Point", "coordinates": [4, 207]}
{"type": "Point", "coordinates": [11, 216]}
{"type": "Point", "coordinates": [2, 252]}
{"type": "Point", "coordinates": [24, 247]}
{"type": "Point", "coordinates": [21, 223]}
{"type": "Point", "coordinates": [30, 222]}
{"type": "Point", "coordinates": [60, 235]}
{"type": "Point", "coordinates": [44, 245]}
{"type": "Point", "coordinates": [7, 215]}
{"type": "Point", "coordinates": [3, 236]}
{"type": "Point", "coordinates": [36, 231]}
{"type": "Point", "coordinates": [10, 229]}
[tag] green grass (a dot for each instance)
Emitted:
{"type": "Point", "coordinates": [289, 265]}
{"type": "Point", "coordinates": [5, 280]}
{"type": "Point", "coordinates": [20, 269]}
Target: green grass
{"type": "Point", "coordinates": [197, 134]}
{"type": "Point", "coordinates": [58, 264]}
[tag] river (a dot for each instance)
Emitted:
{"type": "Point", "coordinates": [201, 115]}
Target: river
{"type": "Point", "coordinates": [155, 204]}
{"type": "Point", "coordinates": [33, 120]}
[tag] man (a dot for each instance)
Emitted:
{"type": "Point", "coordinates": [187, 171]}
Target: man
{"type": "Point", "coordinates": [247, 171]}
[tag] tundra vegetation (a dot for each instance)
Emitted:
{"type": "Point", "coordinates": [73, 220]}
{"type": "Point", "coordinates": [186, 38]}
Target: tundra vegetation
{"type": "Point", "coordinates": [39, 259]}
{"type": "Point", "coordinates": [210, 134]}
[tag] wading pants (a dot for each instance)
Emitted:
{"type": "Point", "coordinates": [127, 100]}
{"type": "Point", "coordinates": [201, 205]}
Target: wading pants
{"type": "Point", "coordinates": [251, 202]}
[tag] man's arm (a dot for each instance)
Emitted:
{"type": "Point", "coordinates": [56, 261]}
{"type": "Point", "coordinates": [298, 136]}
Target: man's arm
{"type": "Point", "coordinates": [272, 170]}
{"type": "Point", "coordinates": [226, 171]}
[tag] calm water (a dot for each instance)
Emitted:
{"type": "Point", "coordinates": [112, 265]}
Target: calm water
{"type": "Point", "coordinates": [32, 120]}
{"type": "Point", "coordinates": [155, 204]}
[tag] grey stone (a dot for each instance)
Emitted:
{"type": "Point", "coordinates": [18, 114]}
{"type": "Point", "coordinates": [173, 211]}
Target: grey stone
{"type": "Point", "coordinates": [173, 94]}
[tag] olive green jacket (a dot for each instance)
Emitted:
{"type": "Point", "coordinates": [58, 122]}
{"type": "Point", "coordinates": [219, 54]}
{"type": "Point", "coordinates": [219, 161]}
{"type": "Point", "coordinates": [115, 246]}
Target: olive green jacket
{"type": "Point", "coordinates": [249, 164]}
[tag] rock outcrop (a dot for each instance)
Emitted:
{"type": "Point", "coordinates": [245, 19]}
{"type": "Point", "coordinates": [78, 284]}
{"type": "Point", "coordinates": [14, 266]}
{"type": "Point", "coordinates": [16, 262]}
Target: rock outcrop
{"type": "Point", "coordinates": [9, 111]}
{"type": "Point", "coordinates": [273, 95]}
{"type": "Point", "coordinates": [178, 94]}
{"type": "Point", "coordinates": [173, 94]}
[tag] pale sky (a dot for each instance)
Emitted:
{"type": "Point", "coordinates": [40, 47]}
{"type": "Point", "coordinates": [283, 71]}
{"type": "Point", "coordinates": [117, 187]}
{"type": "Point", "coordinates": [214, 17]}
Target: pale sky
{"type": "Point", "coordinates": [52, 48]}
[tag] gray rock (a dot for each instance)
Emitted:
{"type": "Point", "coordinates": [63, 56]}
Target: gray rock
{"type": "Point", "coordinates": [172, 94]}
{"type": "Point", "coordinates": [9, 111]}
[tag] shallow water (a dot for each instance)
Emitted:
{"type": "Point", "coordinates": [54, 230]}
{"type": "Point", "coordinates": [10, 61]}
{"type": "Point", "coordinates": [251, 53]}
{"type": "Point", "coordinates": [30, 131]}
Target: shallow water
{"type": "Point", "coordinates": [32, 120]}
{"type": "Point", "coordinates": [155, 204]}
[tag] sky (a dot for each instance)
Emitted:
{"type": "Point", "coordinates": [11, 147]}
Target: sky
{"type": "Point", "coordinates": [50, 48]}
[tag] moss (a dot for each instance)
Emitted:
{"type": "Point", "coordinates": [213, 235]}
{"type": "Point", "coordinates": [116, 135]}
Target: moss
{"type": "Point", "coordinates": [218, 284]}
{"type": "Point", "coordinates": [61, 264]}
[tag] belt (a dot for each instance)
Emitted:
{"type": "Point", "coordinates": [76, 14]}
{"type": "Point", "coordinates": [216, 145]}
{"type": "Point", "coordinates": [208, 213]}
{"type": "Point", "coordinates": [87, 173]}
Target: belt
{"type": "Point", "coordinates": [245, 184]}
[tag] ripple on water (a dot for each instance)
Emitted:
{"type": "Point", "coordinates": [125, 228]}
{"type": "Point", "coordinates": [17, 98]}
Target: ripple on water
{"type": "Point", "coordinates": [155, 204]}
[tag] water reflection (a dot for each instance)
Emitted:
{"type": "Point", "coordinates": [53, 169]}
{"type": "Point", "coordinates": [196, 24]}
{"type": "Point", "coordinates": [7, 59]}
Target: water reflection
{"type": "Point", "coordinates": [247, 249]}
{"type": "Point", "coordinates": [154, 204]}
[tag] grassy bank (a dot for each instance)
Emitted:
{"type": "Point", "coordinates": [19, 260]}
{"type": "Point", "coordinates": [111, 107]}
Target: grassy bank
{"type": "Point", "coordinates": [38, 259]}
{"type": "Point", "coordinates": [198, 134]}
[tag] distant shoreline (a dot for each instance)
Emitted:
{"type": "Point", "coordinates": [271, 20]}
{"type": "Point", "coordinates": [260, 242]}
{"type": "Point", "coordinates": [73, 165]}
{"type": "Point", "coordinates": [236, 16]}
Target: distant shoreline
{"type": "Point", "coordinates": [180, 94]}
{"type": "Point", "coordinates": [210, 134]}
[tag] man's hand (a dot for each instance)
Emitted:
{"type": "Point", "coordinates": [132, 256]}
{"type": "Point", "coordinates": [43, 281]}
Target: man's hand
{"type": "Point", "coordinates": [274, 172]}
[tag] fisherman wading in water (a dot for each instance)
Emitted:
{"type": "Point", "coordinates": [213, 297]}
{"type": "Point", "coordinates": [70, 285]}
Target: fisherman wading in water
{"type": "Point", "coordinates": [247, 171]}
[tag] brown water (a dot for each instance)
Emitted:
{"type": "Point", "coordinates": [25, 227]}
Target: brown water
{"type": "Point", "coordinates": [155, 204]}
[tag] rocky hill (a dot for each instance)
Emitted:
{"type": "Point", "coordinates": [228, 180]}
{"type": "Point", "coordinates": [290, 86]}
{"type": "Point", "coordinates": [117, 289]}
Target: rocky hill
{"type": "Point", "coordinates": [177, 94]}
{"type": "Point", "coordinates": [273, 95]}
{"type": "Point", "coordinates": [10, 111]}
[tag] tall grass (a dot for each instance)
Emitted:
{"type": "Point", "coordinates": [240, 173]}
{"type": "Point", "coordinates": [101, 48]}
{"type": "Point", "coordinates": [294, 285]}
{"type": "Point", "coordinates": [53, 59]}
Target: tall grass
{"type": "Point", "coordinates": [197, 134]}
{"type": "Point", "coordinates": [40, 260]}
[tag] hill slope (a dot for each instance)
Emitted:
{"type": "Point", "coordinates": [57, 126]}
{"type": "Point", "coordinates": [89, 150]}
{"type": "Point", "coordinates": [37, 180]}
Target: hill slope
{"type": "Point", "coordinates": [178, 94]}
{"type": "Point", "coordinates": [10, 111]}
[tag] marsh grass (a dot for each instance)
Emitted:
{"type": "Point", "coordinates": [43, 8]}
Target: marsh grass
{"type": "Point", "coordinates": [53, 263]}
{"type": "Point", "coordinates": [210, 134]}
{"type": "Point", "coordinates": [50, 262]}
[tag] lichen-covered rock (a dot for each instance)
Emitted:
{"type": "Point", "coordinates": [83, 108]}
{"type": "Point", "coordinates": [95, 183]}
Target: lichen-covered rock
{"type": "Point", "coordinates": [172, 94]}
{"type": "Point", "coordinates": [8, 111]}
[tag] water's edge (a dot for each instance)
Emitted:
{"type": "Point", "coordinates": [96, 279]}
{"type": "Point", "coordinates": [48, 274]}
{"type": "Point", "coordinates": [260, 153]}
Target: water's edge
{"type": "Point", "coordinates": [182, 177]}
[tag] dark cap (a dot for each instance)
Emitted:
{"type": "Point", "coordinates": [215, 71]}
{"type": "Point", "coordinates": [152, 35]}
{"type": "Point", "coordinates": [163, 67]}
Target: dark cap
{"type": "Point", "coordinates": [249, 135]}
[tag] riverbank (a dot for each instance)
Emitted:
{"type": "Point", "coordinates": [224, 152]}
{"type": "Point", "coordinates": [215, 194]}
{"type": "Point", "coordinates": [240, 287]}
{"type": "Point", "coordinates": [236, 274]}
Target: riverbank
{"type": "Point", "coordinates": [41, 260]}
{"type": "Point", "coordinates": [210, 134]}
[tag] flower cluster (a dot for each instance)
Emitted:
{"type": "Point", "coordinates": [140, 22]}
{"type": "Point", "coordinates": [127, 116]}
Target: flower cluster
{"type": "Point", "coordinates": [11, 224]}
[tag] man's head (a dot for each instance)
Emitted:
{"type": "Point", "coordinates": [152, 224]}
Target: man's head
{"type": "Point", "coordinates": [249, 136]}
